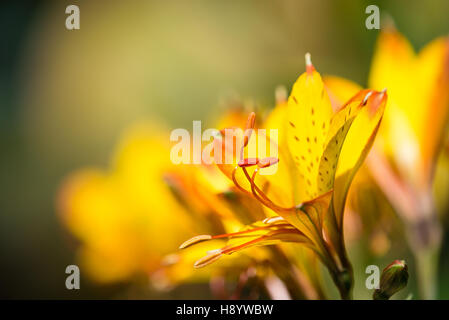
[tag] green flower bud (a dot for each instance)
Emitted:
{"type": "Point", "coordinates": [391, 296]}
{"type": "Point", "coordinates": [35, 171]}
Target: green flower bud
{"type": "Point", "coordinates": [394, 278]}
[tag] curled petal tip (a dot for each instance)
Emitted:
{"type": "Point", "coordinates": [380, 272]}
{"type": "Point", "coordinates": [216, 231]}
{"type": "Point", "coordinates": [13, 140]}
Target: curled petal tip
{"type": "Point", "coordinates": [375, 98]}
{"type": "Point", "coordinates": [251, 121]}
{"type": "Point", "coordinates": [281, 94]}
{"type": "Point", "coordinates": [308, 59]}
{"type": "Point", "coordinates": [388, 23]}
{"type": "Point", "coordinates": [194, 240]}
{"type": "Point", "coordinates": [367, 97]}
{"type": "Point", "coordinates": [309, 65]}
{"type": "Point", "coordinates": [382, 96]}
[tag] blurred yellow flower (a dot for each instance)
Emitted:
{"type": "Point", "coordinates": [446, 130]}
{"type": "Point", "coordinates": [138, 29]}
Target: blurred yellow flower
{"type": "Point", "coordinates": [405, 154]}
{"type": "Point", "coordinates": [121, 215]}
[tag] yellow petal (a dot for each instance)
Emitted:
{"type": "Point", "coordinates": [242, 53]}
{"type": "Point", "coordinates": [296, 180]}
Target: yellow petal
{"type": "Point", "coordinates": [393, 68]}
{"type": "Point", "coordinates": [391, 63]}
{"type": "Point", "coordinates": [308, 116]}
{"type": "Point", "coordinates": [286, 185]}
{"type": "Point", "coordinates": [340, 90]}
{"type": "Point", "coordinates": [357, 144]}
{"type": "Point", "coordinates": [339, 127]}
{"type": "Point", "coordinates": [309, 218]}
{"type": "Point", "coordinates": [433, 73]}
{"type": "Point", "coordinates": [418, 101]}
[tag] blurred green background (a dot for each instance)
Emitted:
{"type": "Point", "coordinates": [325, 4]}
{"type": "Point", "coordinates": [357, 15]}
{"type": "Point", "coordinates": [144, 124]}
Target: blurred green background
{"type": "Point", "coordinates": [65, 96]}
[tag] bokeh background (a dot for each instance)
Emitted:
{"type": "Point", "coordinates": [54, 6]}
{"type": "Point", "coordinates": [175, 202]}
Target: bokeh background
{"type": "Point", "coordinates": [66, 96]}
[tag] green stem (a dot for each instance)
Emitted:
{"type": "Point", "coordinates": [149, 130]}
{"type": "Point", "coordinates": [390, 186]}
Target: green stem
{"type": "Point", "coordinates": [344, 282]}
{"type": "Point", "coordinates": [424, 238]}
{"type": "Point", "coordinates": [425, 243]}
{"type": "Point", "coordinates": [342, 274]}
{"type": "Point", "coordinates": [346, 275]}
{"type": "Point", "coordinates": [427, 272]}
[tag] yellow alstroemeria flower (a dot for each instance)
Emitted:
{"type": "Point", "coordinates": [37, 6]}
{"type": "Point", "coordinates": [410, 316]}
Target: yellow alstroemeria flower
{"type": "Point", "coordinates": [315, 159]}
{"type": "Point", "coordinates": [112, 212]}
{"type": "Point", "coordinates": [404, 157]}
{"type": "Point", "coordinates": [130, 219]}
{"type": "Point", "coordinates": [296, 268]}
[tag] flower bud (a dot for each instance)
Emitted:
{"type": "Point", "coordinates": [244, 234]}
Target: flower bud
{"type": "Point", "coordinates": [394, 278]}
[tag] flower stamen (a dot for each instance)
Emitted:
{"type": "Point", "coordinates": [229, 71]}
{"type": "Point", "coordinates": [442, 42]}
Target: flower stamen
{"type": "Point", "coordinates": [211, 257]}
{"type": "Point", "coordinates": [234, 179]}
{"type": "Point", "coordinates": [261, 196]}
{"type": "Point", "coordinates": [194, 240]}
{"type": "Point", "coordinates": [229, 250]}
{"type": "Point", "coordinates": [233, 234]}
{"type": "Point", "coordinates": [248, 162]}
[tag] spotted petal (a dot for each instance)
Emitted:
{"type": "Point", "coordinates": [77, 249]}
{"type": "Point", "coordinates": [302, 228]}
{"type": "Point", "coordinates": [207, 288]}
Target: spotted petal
{"type": "Point", "coordinates": [308, 117]}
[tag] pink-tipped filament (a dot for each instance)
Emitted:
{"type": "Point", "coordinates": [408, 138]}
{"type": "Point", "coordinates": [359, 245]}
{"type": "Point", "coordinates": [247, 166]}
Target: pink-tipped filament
{"type": "Point", "coordinates": [248, 162]}
{"type": "Point", "coordinates": [261, 163]}
{"type": "Point", "coordinates": [267, 162]}
{"type": "Point", "coordinates": [259, 194]}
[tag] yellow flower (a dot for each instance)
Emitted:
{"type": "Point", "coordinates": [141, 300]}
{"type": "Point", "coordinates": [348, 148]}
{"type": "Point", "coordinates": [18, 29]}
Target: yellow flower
{"type": "Point", "coordinates": [418, 104]}
{"type": "Point", "coordinates": [121, 215]}
{"type": "Point", "coordinates": [404, 158]}
{"type": "Point", "coordinates": [130, 220]}
{"type": "Point", "coordinates": [314, 161]}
